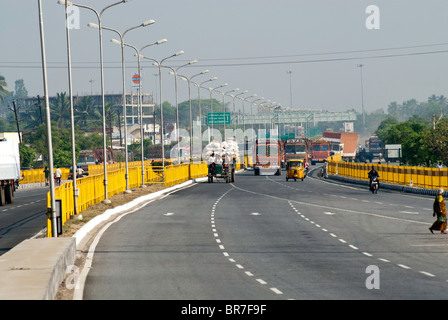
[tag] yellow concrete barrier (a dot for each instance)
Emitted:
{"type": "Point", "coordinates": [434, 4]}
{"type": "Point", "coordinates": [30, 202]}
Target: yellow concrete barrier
{"type": "Point", "coordinates": [428, 178]}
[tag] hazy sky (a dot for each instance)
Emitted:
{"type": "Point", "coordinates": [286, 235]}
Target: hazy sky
{"type": "Point", "coordinates": [249, 44]}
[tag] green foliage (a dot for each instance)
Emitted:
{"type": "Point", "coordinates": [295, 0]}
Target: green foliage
{"type": "Point", "coordinates": [437, 140]}
{"type": "Point", "coordinates": [3, 84]}
{"type": "Point", "coordinates": [135, 150]}
{"type": "Point", "coordinates": [413, 137]}
{"type": "Point", "coordinates": [20, 90]}
{"type": "Point", "coordinates": [27, 156]}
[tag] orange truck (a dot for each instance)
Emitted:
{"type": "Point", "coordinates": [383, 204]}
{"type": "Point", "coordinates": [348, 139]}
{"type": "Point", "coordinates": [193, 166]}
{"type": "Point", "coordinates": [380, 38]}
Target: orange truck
{"type": "Point", "coordinates": [297, 149]}
{"type": "Point", "coordinates": [267, 156]}
{"type": "Point", "coordinates": [345, 143]}
{"type": "Point", "coordinates": [320, 151]}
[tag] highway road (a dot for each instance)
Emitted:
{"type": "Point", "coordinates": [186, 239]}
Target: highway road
{"type": "Point", "coordinates": [262, 238]}
{"type": "Point", "coordinates": [24, 218]}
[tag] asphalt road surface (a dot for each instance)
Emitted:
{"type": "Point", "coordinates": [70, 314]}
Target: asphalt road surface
{"type": "Point", "coordinates": [23, 218]}
{"type": "Point", "coordinates": [262, 238]}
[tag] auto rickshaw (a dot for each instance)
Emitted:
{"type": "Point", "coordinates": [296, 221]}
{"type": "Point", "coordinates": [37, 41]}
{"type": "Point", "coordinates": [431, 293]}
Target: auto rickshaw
{"type": "Point", "coordinates": [295, 169]}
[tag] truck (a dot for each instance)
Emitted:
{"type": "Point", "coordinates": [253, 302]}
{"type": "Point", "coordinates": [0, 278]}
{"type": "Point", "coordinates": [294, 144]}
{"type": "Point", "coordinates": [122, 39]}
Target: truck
{"type": "Point", "coordinates": [345, 143]}
{"type": "Point", "coordinates": [297, 149]}
{"type": "Point", "coordinates": [375, 147]}
{"type": "Point", "coordinates": [267, 156]}
{"type": "Point", "coordinates": [9, 170]}
{"type": "Point", "coordinates": [93, 156]}
{"type": "Point", "coordinates": [320, 151]}
{"type": "Point", "coordinates": [222, 159]}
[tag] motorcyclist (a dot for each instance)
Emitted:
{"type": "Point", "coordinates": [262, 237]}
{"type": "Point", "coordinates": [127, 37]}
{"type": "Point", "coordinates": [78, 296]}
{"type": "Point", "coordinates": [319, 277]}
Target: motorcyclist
{"type": "Point", "coordinates": [374, 174]}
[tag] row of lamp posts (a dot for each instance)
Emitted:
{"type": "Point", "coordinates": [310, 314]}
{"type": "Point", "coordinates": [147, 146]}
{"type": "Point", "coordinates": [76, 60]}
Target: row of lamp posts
{"type": "Point", "coordinates": [159, 65]}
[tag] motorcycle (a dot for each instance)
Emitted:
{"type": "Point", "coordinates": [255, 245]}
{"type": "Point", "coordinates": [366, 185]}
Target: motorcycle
{"type": "Point", "coordinates": [374, 185]}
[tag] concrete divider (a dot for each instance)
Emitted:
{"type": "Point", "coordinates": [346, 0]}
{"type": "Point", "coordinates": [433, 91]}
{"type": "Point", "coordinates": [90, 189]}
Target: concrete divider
{"type": "Point", "coordinates": [34, 269]}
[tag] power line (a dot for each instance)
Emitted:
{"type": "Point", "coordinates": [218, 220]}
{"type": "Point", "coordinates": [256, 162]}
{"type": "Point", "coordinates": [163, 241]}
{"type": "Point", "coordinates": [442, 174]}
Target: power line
{"type": "Point", "coordinates": [2, 64]}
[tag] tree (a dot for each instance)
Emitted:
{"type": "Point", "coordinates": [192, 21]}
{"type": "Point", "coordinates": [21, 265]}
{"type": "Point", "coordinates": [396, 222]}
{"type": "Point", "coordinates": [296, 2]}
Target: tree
{"type": "Point", "coordinates": [60, 110]}
{"type": "Point", "coordinates": [412, 135]}
{"type": "Point", "coordinates": [27, 156]}
{"type": "Point", "coordinates": [86, 112]}
{"type": "Point", "coordinates": [20, 90]}
{"type": "Point", "coordinates": [437, 140]}
{"type": "Point", "coordinates": [3, 91]}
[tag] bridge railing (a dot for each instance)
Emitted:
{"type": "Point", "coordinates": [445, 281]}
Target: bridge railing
{"type": "Point", "coordinates": [422, 177]}
{"type": "Point", "coordinates": [91, 188]}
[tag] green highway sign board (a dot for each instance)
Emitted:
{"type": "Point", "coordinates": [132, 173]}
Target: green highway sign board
{"type": "Point", "coordinates": [218, 118]}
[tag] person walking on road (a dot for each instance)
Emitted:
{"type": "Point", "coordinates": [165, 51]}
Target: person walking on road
{"type": "Point", "coordinates": [58, 175]}
{"type": "Point", "coordinates": [439, 210]}
{"type": "Point", "coordinates": [47, 176]}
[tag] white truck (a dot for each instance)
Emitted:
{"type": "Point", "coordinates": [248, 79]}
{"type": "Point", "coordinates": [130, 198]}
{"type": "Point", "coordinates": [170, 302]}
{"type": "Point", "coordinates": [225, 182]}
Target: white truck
{"type": "Point", "coordinates": [9, 170]}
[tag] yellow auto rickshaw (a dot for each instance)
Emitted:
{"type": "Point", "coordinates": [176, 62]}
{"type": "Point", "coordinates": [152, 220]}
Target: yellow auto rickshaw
{"type": "Point", "coordinates": [295, 169]}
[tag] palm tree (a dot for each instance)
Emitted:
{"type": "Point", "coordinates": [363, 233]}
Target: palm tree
{"type": "Point", "coordinates": [60, 109]}
{"type": "Point", "coordinates": [86, 111]}
{"type": "Point", "coordinates": [3, 84]}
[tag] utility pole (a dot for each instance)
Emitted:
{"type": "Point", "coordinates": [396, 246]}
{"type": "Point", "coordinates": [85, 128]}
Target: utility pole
{"type": "Point", "coordinates": [290, 87]}
{"type": "Point", "coordinates": [362, 97]}
{"type": "Point", "coordinates": [119, 126]}
{"type": "Point", "coordinates": [17, 120]}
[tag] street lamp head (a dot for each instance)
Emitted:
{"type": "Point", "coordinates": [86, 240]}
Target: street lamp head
{"type": "Point", "coordinates": [69, 3]}
{"type": "Point", "coordinates": [93, 25]}
{"type": "Point", "coordinates": [161, 41]}
{"type": "Point", "coordinates": [147, 23]}
{"type": "Point", "coordinates": [193, 61]}
{"type": "Point", "coordinates": [115, 41]}
{"type": "Point", "coordinates": [178, 53]}
{"type": "Point", "coordinates": [214, 78]}
{"type": "Point", "coordinates": [205, 71]}
{"type": "Point", "coordinates": [124, 1]}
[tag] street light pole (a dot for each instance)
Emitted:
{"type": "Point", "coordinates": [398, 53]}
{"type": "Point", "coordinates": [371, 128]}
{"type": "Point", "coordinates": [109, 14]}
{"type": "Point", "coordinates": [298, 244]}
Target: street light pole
{"type": "Point", "coordinates": [174, 72]}
{"type": "Point", "coordinates": [159, 65]}
{"type": "Point", "coordinates": [362, 97]}
{"type": "Point", "coordinates": [47, 112]}
{"type": "Point", "coordinates": [191, 114]}
{"type": "Point", "coordinates": [139, 102]}
{"type": "Point", "coordinates": [290, 86]}
{"type": "Point", "coordinates": [121, 42]}
{"type": "Point", "coordinates": [72, 117]}
{"type": "Point", "coordinates": [99, 16]}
